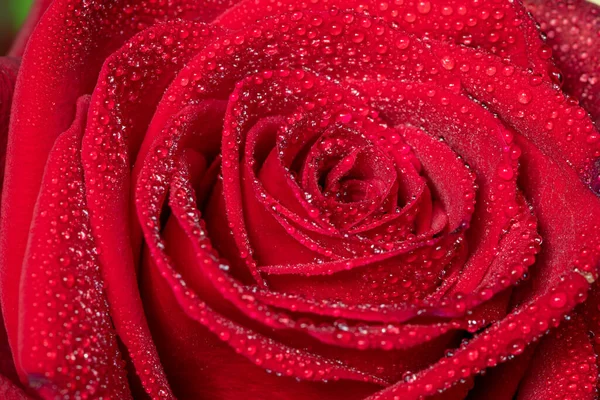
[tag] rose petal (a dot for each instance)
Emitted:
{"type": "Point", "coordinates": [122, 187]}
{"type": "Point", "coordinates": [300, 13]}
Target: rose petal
{"type": "Point", "coordinates": [502, 381]}
{"type": "Point", "coordinates": [495, 344]}
{"type": "Point", "coordinates": [536, 110]}
{"type": "Point", "coordinates": [572, 31]}
{"type": "Point", "coordinates": [505, 222]}
{"type": "Point", "coordinates": [126, 93]}
{"type": "Point", "coordinates": [63, 57]}
{"type": "Point", "coordinates": [199, 364]}
{"type": "Point", "coordinates": [567, 261]}
{"type": "Point", "coordinates": [503, 28]}
{"type": "Point", "coordinates": [9, 391]}
{"type": "Point", "coordinates": [252, 345]}
{"type": "Point", "coordinates": [591, 315]}
{"type": "Point", "coordinates": [564, 365]}
{"type": "Point", "coordinates": [453, 182]}
{"type": "Point", "coordinates": [8, 75]}
{"type": "Point", "coordinates": [67, 344]}
{"type": "Point", "coordinates": [551, 273]}
{"type": "Point", "coordinates": [458, 392]}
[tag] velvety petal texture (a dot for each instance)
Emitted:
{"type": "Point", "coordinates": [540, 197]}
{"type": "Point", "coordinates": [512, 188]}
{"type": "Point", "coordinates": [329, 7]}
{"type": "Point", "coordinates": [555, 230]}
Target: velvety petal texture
{"type": "Point", "coordinates": [357, 199]}
{"type": "Point", "coordinates": [9, 67]}
{"type": "Point", "coordinates": [572, 30]}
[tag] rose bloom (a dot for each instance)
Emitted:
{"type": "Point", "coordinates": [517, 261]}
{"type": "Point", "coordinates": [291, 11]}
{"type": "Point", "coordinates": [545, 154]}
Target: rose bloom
{"type": "Point", "coordinates": [283, 199]}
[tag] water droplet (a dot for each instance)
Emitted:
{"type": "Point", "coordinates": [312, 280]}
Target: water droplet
{"type": "Point", "coordinates": [558, 300]}
{"type": "Point", "coordinates": [524, 97]}
{"type": "Point", "coordinates": [424, 7]}
{"type": "Point", "coordinates": [448, 62]}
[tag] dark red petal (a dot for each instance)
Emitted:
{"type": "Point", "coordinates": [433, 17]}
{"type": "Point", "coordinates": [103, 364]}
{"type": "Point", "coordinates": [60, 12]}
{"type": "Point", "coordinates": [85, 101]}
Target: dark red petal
{"type": "Point", "coordinates": [8, 73]}
{"type": "Point", "coordinates": [8, 76]}
{"type": "Point", "coordinates": [572, 28]}
{"type": "Point", "coordinates": [590, 312]}
{"type": "Point", "coordinates": [501, 27]}
{"type": "Point", "coordinates": [122, 106]}
{"type": "Point", "coordinates": [67, 344]}
{"type": "Point", "coordinates": [536, 110]}
{"type": "Point", "coordinates": [150, 195]}
{"type": "Point", "coordinates": [551, 160]}
{"type": "Point", "coordinates": [458, 392]}
{"type": "Point", "coordinates": [7, 365]}
{"type": "Point", "coordinates": [453, 182]}
{"type": "Point", "coordinates": [61, 63]}
{"type": "Point", "coordinates": [199, 364]}
{"type": "Point", "coordinates": [501, 219]}
{"type": "Point", "coordinates": [508, 337]}
{"type": "Point", "coordinates": [9, 391]}
{"type": "Point", "coordinates": [563, 366]}
{"type": "Point", "coordinates": [502, 381]}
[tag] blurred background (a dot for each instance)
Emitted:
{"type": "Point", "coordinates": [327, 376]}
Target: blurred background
{"type": "Point", "coordinates": [12, 15]}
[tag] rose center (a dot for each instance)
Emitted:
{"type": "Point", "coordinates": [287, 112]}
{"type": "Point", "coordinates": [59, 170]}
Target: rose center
{"type": "Point", "coordinates": [348, 178]}
{"type": "Point", "coordinates": [355, 178]}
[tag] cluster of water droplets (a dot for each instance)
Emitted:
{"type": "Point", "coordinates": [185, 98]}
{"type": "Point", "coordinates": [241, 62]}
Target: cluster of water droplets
{"type": "Point", "coordinates": [367, 119]}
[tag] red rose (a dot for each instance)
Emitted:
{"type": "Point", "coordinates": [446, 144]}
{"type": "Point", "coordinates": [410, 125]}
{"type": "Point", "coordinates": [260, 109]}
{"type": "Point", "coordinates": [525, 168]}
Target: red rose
{"type": "Point", "coordinates": [387, 199]}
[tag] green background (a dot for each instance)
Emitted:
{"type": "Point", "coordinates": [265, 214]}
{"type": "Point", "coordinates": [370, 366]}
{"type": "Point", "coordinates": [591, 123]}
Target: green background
{"type": "Point", "coordinates": [12, 15]}
{"type": "Point", "coordinates": [17, 9]}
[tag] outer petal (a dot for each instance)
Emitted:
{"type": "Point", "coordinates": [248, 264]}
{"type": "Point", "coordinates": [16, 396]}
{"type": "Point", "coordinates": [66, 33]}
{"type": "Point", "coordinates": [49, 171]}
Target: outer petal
{"type": "Point", "coordinates": [62, 61]}
{"type": "Point", "coordinates": [8, 390]}
{"type": "Point", "coordinates": [500, 27]}
{"type": "Point", "coordinates": [572, 28]}
{"type": "Point", "coordinates": [67, 344]}
{"type": "Point", "coordinates": [8, 75]}
{"type": "Point", "coordinates": [502, 381]}
{"type": "Point", "coordinates": [121, 106]}
{"type": "Point", "coordinates": [564, 366]}
{"type": "Point", "coordinates": [591, 314]}
{"type": "Point", "coordinates": [199, 365]}
{"type": "Point", "coordinates": [496, 344]}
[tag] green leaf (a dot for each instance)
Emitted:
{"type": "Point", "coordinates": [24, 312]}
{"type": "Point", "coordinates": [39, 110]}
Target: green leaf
{"type": "Point", "coordinates": [18, 10]}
